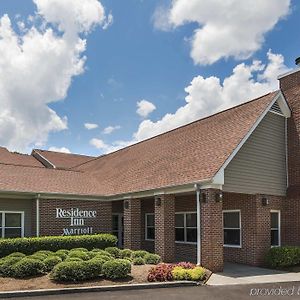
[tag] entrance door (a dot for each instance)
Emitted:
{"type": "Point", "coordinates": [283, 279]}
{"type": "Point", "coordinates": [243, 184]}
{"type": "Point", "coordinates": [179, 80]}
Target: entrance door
{"type": "Point", "coordinates": [117, 228]}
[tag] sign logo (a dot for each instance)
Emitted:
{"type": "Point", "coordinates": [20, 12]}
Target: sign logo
{"type": "Point", "coordinates": [77, 219]}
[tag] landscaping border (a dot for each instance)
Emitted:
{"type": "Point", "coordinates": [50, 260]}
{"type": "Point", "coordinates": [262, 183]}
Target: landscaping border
{"type": "Point", "coordinates": [107, 288]}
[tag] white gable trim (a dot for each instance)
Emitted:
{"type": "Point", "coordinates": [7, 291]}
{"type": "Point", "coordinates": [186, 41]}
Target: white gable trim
{"type": "Point", "coordinates": [42, 159]}
{"type": "Point", "coordinates": [218, 179]}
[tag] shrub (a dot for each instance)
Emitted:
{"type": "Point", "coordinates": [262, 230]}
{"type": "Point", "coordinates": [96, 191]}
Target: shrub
{"type": "Point", "coordinates": [28, 267]}
{"type": "Point", "coordinates": [6, 267]}
{"type": "Point", "coordinates": [139, 253]}
{"type": "Point", "coordinates": [197, 273]}
{"type": "Point", "coordinates": [69, 271]}
{"type": "Point", "coordinates": [161, 272]}
{"type": "Point", "coordinates": [179, 273]}
{"type": "Point", "coordinates": [51, 261]}
{"type": "Point", "coordinates": [44, 252]}
{"type": "Point", "coordinates": [152, 259]}
{"type": "Point", "coordinates": [138, 261]}
{"type": "Point", "coordinates": [79, 249]}
{"type": "Point", "coordinates": [125, 253]}
{"type": "Point", "coordinates": [79, 254]}
{"type": "Point", "coordinates": [69, 259]}
{"type": "Point", "coordinates": [39, 256]}
{"type": "Point", "coordinates": [104, 257]}
{"type": "Point", "coordinates": [186, 265]}
{"type": "Point", "coordinates": [117, 268]}
{"type": "Point", "coordinates": [62, 253]}
{"type": "Point", "coordinates": [54, 243]}
{"type": "Point", "coordinates": [114, 251]}
{"type": "Point", "coordinates": [16, 254]}
{"type": "Point", "coordinates": [94, 267]}
{"type": "Point", "coordinates": [279, 257]}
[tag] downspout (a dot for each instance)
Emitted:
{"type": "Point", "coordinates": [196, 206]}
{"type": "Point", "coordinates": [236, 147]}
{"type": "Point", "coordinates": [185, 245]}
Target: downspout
{"type": "Point", "coordinates": [198, 225]}
{"type": "Point", "coordinates": [38, 215]}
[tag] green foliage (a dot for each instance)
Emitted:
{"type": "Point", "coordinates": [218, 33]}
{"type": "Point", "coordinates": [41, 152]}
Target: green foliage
{"type": "Point", "coordinates": [79, 254]}
{"type": "Point", "coordinates": [16, 254]}
{"type": "Point", "coordinates": [54, 243]}
{"type": "Point", "coordinates": [62, 253]}
{"type": "Point", "coordinates": [68, 259]}
{"type": "Point", "coordinates": [114, 251]}
{"type": "Point", "coordinates": [7, 264]}
{"type": "Point", "coordinates": [39, 256]}
{"type": "Point", "coordinates": [79, 249]}
{"type": "Point", "coordinates": [138, 261]}
{"type": "Point", "coordinates": [117, 268]}
{"type": "Point", "coordinates": [69, 271]}
{"type": "Point", "coordinates": [51, 261]}
{"type": "Point", "coordinates": [44, 252]}
{"type": "Point", "coordinates": [139, 253]}
{"type": "Point", "coordinates": [279, 257]}
{"type": "Point", "coordinates": [94, 267]}
{"type": "Point", "coordinates": [28, 267]}
{"type": "Point", "coordinates": [104, 257]}
{"type": "Point", "coordinates": [152, 259]}
{"type": "Point", "coordinates": [125, 253]}
{"type": "Point", "coordinates": [195, 274]}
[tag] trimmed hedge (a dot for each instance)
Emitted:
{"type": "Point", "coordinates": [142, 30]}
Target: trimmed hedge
{"type": "Point", "coordinates": [114, 251]}
{"type": "Point", "coordinates": [116, 269]}
{"type": "Point", "coordinates": [195, 274]}
{"type": "Point", "coordinates": [279, 257]}
{"type": "Point", "coordinates": [138, 261]}
{"type": "Point", "coordinates": [152, 259]}
{"type": "Point", "coordinates": [139, 253]}
{"type": "Point", "coordinates": [7, 264]}
{"type": "Point", "coordinates": [28, 267]}
{"type": "Point", "coordinates": [54, 243]}
{"type": "Point", "coordinates": [51, 261]}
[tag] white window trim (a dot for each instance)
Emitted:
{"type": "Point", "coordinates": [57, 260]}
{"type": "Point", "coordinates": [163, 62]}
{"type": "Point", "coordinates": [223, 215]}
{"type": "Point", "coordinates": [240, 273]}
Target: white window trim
{"type": "Point", "coordinates": [240, 225]}
{"type": "Point", "coordinates": [185, 227]}
{"type": "Point", "coordinates": [3, 212]}
{"type": "Point", "coordinates": [146, 226]}
{"type": "Point", "coordinates": [279, 227]}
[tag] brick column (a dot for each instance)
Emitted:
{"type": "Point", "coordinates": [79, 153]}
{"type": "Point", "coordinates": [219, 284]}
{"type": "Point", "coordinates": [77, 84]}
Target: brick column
{"type": "Point", "coordinates": [105, 217]}
{"type": "Point", "coordinates": [165, 227]}
{"type": "Point", "coordinates": [211, 232]}
{"type": "Point", "coordinates": [132, 224]}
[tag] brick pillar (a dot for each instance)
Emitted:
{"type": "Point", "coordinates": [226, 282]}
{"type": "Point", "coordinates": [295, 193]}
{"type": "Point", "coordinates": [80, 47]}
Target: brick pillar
{"type": "Point", "coordinates": [104, 217]}
{"type": "Point", "coordinates": [165, 227]}
{"type": "Point", "coordinates": [211, 232]}
{"type": "Point", "coordinates": [132, 224]}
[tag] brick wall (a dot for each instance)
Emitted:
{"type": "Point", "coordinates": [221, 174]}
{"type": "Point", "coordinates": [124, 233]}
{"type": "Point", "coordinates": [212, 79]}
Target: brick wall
{"type": "Point", "coordinates": [50, 225]}
{"type": "Point", "coordinates": [256, 226]}
{"type": "Point", "coordinates": [147, 207]}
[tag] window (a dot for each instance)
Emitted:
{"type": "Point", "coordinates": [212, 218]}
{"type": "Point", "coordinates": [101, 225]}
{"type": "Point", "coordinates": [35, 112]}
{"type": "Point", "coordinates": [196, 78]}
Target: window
{"type": "Point", "coordinates": [11, 224]}
{"type": "Point", "coordinates": [232, 228]}
{"type": "Point", "coordinates": [186, 227]}
{"type": "Point", "coordinates": [275, 228]}
{"type": "Point", "coordinates": [149, 227]}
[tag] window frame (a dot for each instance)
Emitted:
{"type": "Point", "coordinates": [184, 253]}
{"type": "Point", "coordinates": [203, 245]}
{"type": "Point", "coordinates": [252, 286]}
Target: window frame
{"type": "Point", "coordinates": [279, 226]}
{"type": "Point", "coordinates": [185, 227]}
{"type": "Point", "coordinates": [146, 226]}
{"type": "Point", "coordinates": [240, 227]}
{"type": "Point", "coordinates": [3, 227]}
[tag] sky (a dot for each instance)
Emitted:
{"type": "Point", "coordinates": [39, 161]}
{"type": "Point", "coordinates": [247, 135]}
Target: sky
{"type": "Point", "coordinates": [90, 77]}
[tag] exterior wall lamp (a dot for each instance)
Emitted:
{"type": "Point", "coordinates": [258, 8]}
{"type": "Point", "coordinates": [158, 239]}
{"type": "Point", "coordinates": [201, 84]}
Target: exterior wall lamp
{"type": "Point", "coordinates": [158, 201]}
{"type": "Point", "coordinates": [219, 197]}
{"type": "Point", "coordinates": [126, 204]}
{"type": "Point", "coordinates": [264, 201]}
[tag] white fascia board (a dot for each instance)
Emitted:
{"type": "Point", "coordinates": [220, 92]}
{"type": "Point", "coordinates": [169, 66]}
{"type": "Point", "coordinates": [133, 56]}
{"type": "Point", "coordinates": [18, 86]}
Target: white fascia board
{"type": "Point", "coordinates": [284, 106]}
{"type": "Point", "coordinates": [219, 176]}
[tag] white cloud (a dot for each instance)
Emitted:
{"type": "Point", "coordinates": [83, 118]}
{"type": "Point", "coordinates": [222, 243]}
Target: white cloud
{"type": "Point", "coordinates": [99, 144]}
{"type": "Point", "coordinates": [226, 28]}
{"type": "Point", "coordinates": [37, 67]}
{"type": "Point", "coordinates": [90, 126]}
{"type": "Point", "coordinates": [110, 129]}
{"type": "Point", "coordinates": [59, 149]}
{"type": "Point", "coordinates": [144, 108]}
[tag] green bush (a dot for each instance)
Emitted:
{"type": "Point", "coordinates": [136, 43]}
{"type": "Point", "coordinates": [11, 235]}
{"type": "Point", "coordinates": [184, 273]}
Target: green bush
{"type": "Point", "coordinates": [79, 249]}
{"type": "Point", "coordinates": [54, 243]}
{"type": "Point", "coordinates": [7, 264]}
{"type": "Point", "coordinates": [39, 256]}
{"type": "Point", "coordinates": [70, 271]}
{"type": "Point", "coordinates": [117, 268]}
{"type": "Point", "coordinates": [68, 259]}
{"type": "Point", "coordinates": [62, 253]}
{"type": "Point", "coordinates": [79, 254]}
{"type": "Point", "coordinates": [152, 259]}
{"type": "Point", "coordinates": [94, 267]}
{"type": "Point", "coordinates": [16, 254]}
{"type": "Point", "coordinates": [138, 261]}
{"type": "Point", "coordinates": [125, 253]}
{"type": "Point", "coordinates": [28, 267]}
{"type": "Point", "coordinates": [51, 261]}
{"type": "Point", "coordinates": [278, 257]}
{"type": "Point", "coordinates": [139, 253]}
{"type": "Point", "coordinates": [104, 257]}
{"type": "Point", "coordinates": [44, 252]}
{"type": "Point", "coordinates": [195, 274]}
{"type": "Point", "coordinates": [114, 251]}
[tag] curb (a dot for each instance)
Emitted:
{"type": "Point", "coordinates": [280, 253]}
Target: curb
{"type": "Point", "coordinates": [107, 288]}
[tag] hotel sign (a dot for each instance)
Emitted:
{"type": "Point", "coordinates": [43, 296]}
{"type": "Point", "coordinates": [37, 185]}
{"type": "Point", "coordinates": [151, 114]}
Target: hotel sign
{"type": "Point", "coordinates": [78, 219]}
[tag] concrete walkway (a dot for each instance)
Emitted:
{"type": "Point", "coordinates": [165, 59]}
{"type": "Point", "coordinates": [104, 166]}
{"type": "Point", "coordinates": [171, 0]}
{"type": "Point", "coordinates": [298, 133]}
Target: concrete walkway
{"type": "Point", "coordinates": [243, 274]}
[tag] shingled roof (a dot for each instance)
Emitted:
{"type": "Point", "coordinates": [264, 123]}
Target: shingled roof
{"type": "Point", "coordinates": [188, 154]}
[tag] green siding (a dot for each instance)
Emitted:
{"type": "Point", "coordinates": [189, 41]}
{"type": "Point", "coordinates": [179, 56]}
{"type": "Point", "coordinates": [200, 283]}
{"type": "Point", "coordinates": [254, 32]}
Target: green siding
{"type": "Point", "coordinates": [260, 165]}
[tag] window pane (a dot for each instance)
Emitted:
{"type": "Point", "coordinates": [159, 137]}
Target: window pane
{"type": "Point", "coordinates": [179, 220]}
{"type": "Point", "coordinates": [150, 220]}
{"type": "Point", "coordinates": [12, 232]}
{"type": "Point", "coordinates": [12, 220]}
{"type": "Point", "coordinates": [231, 219]}
{"type": "Point", "coordinates": [150, 233]}
{"type": "Point", "coordinates": [115, 222]}
{"type": "Point", "coordinates": [191, 235]}
{"type": "Point", "coordinates": [179, 234]}
{"type": "Point", "coordinates": [232, 237]}
{"type": "Point", "coordinates": [0, 220]}
{"type": "Point", "coordinates": [274, 238]}
{"type": "Point", "coordinates": [274, 220]}
{"type": "Point", "coordinates": [191, 220]}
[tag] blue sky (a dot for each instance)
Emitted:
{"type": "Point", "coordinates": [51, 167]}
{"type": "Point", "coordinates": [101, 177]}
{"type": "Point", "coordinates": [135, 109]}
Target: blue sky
{"type": "Point", "coordinates": [133, 60]}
